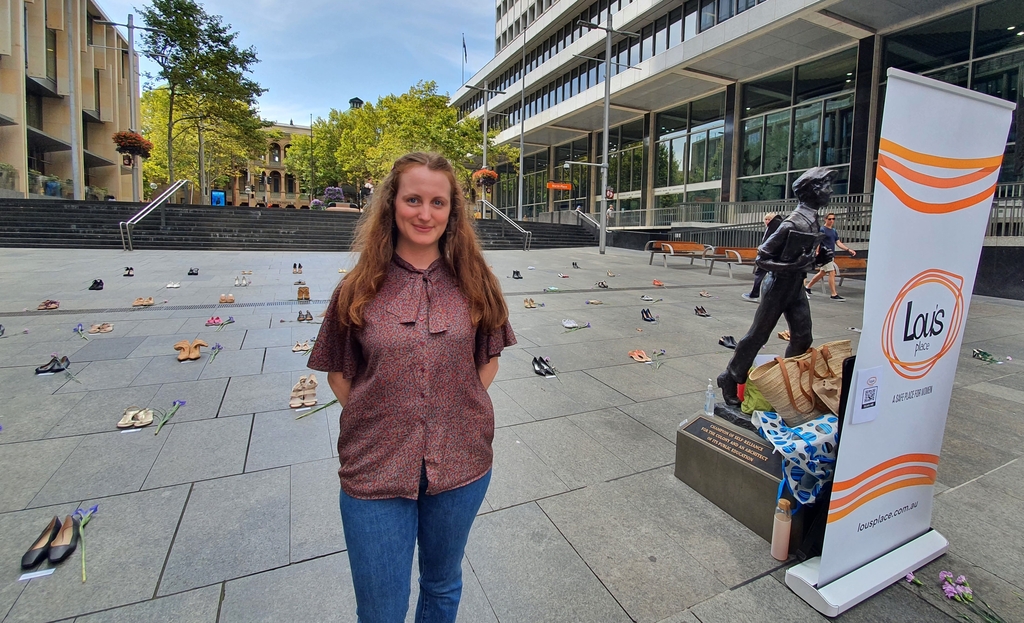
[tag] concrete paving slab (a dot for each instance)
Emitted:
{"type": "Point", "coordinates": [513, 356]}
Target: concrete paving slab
{"type": "Point", "coordinates": [27, 468]}
{"type": "Point", "coordinates": [279, 439]}
{"type": "Point", "coordinates": [231, 527]}
{"type": "Point", "coordinates": [530, 573]}
{"type": "Point", "coordinates": [253, 394]}
{"type": "Point", "coordinates": [576, 458]}
{"type": "Point", "coordinates": [195, 451]}
{"type": "Point", "coordinates": [630, 441]}
{"type": "Point", "coordinates": [19, 530]}
{"type": "Point", "coordinates": [122, 565]}
{"type": "Point", "coordinates": [29, 418]}
{"type": "Point", "coordinates": [104, 464]}
{"type": "Point", "coordinates": [167, 369]}
{"type": "Point", "coordinates": [283, 594]}
{"type": "Point", "coordinates": [570, 392]}
{"type": "Point", "coordinates": [762, 601]}
{"type": "Point", "coordinates": [316, 528]}
{"type": "Point", "coordinates": [99, 411]}
{"type": "Point", "coordinates": [104, 375]}
{"type": "Point", "coordinates": [112, 348]}
{"type": "Point", "coordinates": [519, 475]}
{"type": "Point", "coordinates": [232, 363]}
{"type": "Point", "coordinates": [202, 399]}
{"type": "Point", "coordinates": [198, 606]}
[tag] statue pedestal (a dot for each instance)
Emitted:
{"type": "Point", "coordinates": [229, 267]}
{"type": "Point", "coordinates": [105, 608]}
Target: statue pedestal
{"type": "Point", "coordinates": [736, 470]}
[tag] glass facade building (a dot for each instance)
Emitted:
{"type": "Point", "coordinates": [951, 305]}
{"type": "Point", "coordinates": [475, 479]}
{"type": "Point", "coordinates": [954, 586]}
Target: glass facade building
{"type": "Point", "coordinates": [724, 100]}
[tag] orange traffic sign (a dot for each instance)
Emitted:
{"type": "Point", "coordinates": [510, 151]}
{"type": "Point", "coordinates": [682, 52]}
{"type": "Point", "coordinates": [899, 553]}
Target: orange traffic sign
{"type": "Point", "coordinates": [559, 185]}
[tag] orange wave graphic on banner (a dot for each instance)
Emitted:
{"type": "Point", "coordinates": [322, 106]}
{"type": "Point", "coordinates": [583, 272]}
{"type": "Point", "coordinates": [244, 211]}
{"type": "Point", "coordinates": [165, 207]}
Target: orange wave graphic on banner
{"type": "Point", "coordinates": [925, 475]}
{"type": "Point", "coordinates": [983, 168]}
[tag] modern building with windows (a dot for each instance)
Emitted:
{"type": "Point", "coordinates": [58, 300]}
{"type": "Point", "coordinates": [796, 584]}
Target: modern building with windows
{"type": "Point", "coordinates": [64, 92]}
{"type": "Point", "coordinates": [723, 100]}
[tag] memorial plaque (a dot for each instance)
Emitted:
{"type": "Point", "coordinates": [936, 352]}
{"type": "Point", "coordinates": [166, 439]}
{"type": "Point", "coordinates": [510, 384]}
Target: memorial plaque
{"type": "Point", "coordinates": [750, 450]}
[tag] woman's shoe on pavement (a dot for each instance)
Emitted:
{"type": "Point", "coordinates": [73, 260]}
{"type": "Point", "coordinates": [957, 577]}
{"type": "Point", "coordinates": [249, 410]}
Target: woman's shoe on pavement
{"type": "Point", "coordinates": [41, 548]}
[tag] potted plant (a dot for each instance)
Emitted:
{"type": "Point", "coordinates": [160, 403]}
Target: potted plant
{"type": "Point", "coordinates": [35, 182]}
{"type": "Point", "coordinates": [485, 177]}
{"type": "Point", "coordinates": [333, 194]}
{"type": "Point", "coordinates": [316, 204]}
{"type": "Point", "coordinates": [132, 143]}
{"type": "Point", "coordinates": [8, 174]}
{"type": "Point", "coordinates": [52, 186]}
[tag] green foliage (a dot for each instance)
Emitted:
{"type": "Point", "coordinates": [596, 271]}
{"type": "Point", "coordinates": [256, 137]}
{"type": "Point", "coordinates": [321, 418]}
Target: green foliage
{"type": "Point", "coordinates": [199, 60]}
{"type": "Point", "coordinates": [233, 136]}
{"type": "Point", "coordinates": [356, 145]}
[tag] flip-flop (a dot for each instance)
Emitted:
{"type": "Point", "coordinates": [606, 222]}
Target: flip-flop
{"type": "Point", "coordinates": [106, 327]}
{"type": "Point", "coordinates": [658, 284]}
{"type": "Point", "coordinates": [128, 419]}
{"type": "Point", "coordinates": [95, 328]}
{"type": "Point", "coordinates": [643, 356]}
{"type": "Point", "coordinates": [704, 294]}
{"type": "Point", "coordinates": [635, 356]}
{"type": "Point", "coordinates": [213, 321]}
{"type": "Point", "coordinates": [139, 302]}
{"type": "Point", "coordinates": [148, 302]}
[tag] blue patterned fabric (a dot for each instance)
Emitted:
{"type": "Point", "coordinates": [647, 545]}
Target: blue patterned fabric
{"type": "Point", "coordinates": [808, 451]}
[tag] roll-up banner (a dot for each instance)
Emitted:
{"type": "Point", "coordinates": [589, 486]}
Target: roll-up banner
{"type": "Point", "coordinates": [939, 156]}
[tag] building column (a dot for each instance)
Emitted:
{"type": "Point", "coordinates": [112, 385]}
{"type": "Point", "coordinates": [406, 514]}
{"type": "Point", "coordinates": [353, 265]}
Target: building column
{"type": "Point", "coordinates": [730, 149]}
{"type": "Point", "coordinates": [862, 147]}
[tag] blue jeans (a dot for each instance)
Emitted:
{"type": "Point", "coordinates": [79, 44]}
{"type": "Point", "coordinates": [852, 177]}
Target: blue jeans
{"type": "Point", "coordinates": [381, 534]}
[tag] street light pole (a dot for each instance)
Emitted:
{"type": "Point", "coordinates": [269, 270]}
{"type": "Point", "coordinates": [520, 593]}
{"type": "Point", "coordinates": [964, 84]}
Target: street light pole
{"type": "Point", "coordinates": [522, 126]}
{"type": "Point", "coordinates": [608, 31]}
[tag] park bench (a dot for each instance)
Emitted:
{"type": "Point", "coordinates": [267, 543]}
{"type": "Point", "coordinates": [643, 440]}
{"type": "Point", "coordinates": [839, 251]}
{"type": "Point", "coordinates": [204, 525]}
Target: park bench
{"type": "Point", "coordinates": [848, 267]}
{"type": "Point", "coordinates": [694, 251]}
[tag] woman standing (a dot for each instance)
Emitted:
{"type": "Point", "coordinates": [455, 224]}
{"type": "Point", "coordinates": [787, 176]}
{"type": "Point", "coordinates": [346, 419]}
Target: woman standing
{"type": "Point", "coordinates": [410, 343]}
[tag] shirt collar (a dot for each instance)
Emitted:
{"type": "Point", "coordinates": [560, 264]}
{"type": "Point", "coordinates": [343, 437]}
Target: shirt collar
{"type": "Point", "coordinates": [417, 284]}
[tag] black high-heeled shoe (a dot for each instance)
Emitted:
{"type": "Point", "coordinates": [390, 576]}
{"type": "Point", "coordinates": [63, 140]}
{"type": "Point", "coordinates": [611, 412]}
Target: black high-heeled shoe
{"type": "Point", "coordinates": [537, 367]}
{"type": "Point", "coordinates": [97, 284]}
{"type": "Point", "coordinates": [66, 540]}
{"type": "Point", "coordinates": [52, 367]}
{"type": "Point", "coordinates": [548, 370]}
{"type": "Point", "coordinates": [39, 550]}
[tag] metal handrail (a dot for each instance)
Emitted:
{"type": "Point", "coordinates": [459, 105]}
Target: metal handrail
{"type": "Point", "coordinates": [586, 217]}
{"type": "Point", "coordinates": [527, 234]}
{"type": "Point", "coordinates": [126, 227]}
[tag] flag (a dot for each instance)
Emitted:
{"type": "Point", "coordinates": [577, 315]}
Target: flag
{"type": "Point", "coordinates": [465, 53]}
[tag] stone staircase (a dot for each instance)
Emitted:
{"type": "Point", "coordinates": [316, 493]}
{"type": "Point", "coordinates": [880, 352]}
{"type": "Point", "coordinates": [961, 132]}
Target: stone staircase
{"type": "Point", "coordinates": [94, 225]}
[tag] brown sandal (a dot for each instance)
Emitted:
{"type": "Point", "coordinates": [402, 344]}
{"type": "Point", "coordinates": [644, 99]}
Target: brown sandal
{"type": "Point", "coordinates": [184, 347]}
{"type": "Point", "coordinates": [309, 392]}
{"type": "Point", "coordinates": [194, 349]}
{"type": "Point", "coordinates": [297, 391]}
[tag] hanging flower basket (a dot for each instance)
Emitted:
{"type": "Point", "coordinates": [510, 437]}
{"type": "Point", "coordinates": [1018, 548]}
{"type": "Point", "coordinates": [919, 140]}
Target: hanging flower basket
{"type": "Point", "coordinates": [132, 143]}
{"type": "Point", "coordinates": [485, 177]}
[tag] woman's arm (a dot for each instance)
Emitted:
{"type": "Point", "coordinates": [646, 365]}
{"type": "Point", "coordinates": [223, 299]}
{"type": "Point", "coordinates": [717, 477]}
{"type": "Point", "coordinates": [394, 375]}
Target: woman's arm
{"type": "Point", "coordinates": [341, 386]}
{"type": "Point", "coordinates": [488, 371]}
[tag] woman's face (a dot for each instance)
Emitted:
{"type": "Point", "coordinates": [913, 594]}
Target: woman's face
{"type": "Point", "coordinates": [422, 206]}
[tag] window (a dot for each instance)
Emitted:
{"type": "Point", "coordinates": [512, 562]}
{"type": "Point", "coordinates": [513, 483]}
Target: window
{"type": "Point", "coordinates": [275, 152]}
{"type": "Point", "coordinates": [707, 14]}
{"type": "Point", "coordinates": [289, 183]}
{"type": "Point", "coordinates": [943, 42]}
{"type": "Point", "coordinates": [661, 34]}
{"type": "Point", "coordinates": [275, 182]}
{"type": "Point", "coordinates": [90, 23]}
{"type": "Point", "coordinates": [830, 75]}
{"type": "Point", "coordinates": [769, 93]}
{"type": "Point", "coordinates": [806, 134]}
{"type": "Point", "coordinates": [96, 89]}
{"type": "Point", "coordinates": [999, 27]}
{"type": "Point", "coordinates": [753, 139]}
{"type": "Point", "coordinates": [689, 20]}
{"type": "Point", "coordinates": [34, 110]}
{"type": "Point", "coordinates": [51, 54]}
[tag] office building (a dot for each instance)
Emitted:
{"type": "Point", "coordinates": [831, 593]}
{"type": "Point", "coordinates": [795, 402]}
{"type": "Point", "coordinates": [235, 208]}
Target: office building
{"type": "Point", "coordinates": [723, 100]}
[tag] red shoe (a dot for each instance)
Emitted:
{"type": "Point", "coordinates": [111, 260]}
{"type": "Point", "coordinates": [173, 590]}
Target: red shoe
{"type": "Point", "coordinates": [658, 284]}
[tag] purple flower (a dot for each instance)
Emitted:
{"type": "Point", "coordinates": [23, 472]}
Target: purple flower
{"type": "Point", "coordinates": [231, 318]}
{"type": "Point", "coordinates": [949, 590]}
{"type": "Point", "coordinates": [79, 328]}
{"type": "Point", "coordinates": [944, 575]}
{"type": "Point", "coordinates": [910, 577]}
{"type": "Point", "coordinates": [179, 403]}
{"type": "Point", "coordinates": [961, 579]}
{"type": "Point", "coordinates": [217, 346]}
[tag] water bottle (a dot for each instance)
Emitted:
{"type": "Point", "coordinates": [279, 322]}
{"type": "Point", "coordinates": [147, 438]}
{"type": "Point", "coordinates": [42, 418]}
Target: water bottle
{"type": "Point", "coordinates": [780, 531]}
{"type": "Point", "coordinates": [709, 399]}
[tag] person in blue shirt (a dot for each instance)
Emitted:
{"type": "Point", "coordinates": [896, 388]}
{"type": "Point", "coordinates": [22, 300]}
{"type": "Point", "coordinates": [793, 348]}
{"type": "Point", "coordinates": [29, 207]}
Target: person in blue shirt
{"type": "Point", "coordinates": [829, 242]}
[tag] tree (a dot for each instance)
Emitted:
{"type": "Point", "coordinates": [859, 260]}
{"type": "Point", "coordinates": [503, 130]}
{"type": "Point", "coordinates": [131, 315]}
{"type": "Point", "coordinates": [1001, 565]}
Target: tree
{"type": "Point", "coordinates": [198, 59]}
{"type": "Point", "coordinates": [361, 144]}
{"type": "Point", "coordinates": [233, 136]}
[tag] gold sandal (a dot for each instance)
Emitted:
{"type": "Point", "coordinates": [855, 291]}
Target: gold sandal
{"type": "Point", "coordinates": [128, 420]}
{"type": "Point", "coordinates": [143, 418]}
{"type": "Point", "coordinates": [297, 391]}
{"type": "Point", "coordinates": [309, 392]}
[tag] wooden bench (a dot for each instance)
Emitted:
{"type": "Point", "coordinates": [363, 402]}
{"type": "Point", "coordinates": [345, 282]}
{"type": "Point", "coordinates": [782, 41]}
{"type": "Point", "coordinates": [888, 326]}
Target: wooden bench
{"type": "Point", "coordinates": [694, 251]}
{"type": "Point", "coordinates": [676, 248]}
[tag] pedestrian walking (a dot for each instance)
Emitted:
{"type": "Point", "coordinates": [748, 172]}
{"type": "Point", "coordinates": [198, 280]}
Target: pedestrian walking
{"type": "Point", "coordinates": [828, 253]}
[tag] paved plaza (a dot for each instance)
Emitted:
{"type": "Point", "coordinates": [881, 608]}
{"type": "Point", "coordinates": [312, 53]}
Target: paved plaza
{"type": "Point", "coordinates": [230, 514]}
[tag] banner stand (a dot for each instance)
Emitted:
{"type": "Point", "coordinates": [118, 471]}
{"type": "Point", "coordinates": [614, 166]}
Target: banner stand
{"type": "Point", "coordinates": [849, 590]}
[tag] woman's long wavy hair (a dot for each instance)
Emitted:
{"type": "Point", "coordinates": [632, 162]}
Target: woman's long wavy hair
{"type": "Point", "coordinates": [376, 236]}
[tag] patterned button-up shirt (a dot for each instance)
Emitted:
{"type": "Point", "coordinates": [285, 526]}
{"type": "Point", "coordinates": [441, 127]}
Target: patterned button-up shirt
{"type": "Point", "coordinates": [416, 396]}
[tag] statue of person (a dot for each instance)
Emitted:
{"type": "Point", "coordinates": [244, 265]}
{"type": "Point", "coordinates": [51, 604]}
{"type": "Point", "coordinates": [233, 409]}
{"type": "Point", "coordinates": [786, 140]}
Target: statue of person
{"type": "Point", "coordinates": [782, 291]}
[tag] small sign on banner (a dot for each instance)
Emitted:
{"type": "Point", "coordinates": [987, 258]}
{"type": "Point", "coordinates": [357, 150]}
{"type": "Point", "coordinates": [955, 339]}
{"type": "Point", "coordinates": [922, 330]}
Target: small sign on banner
{"type": "Point", "coordinates": [865, 392]}
{"type": "Point", "coordinates": [559, 185]}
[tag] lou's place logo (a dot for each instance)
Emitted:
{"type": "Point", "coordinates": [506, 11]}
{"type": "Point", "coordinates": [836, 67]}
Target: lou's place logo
{"type": "Point", "coordinates": [923, 323]}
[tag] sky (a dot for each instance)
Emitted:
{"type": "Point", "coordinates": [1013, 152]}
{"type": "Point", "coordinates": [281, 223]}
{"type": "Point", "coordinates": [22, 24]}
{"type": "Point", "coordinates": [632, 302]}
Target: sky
{"type": "Point", "coordinates": [316, 55]}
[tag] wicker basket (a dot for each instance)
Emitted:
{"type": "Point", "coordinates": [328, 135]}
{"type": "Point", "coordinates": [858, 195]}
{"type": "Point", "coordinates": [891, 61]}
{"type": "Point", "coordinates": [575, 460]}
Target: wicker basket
{"type": "Point", "coordinates": [788, 384]}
